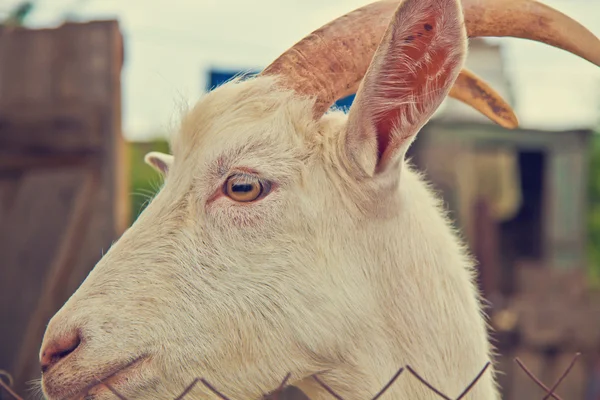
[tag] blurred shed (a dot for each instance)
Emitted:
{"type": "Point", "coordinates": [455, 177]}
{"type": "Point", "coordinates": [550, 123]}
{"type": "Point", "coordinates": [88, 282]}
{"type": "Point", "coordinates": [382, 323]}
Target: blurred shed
{"type": "Point", "coordinates": [63, 180]}
{"type": "Point", "coordinates": [518, 195]}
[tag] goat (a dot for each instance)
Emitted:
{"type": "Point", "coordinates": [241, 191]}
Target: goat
{"type": "Point", "coordinates": [291, 238]}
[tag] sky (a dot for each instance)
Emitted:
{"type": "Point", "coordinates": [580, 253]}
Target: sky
{"type": "Point", "coordinates": [171, 44]}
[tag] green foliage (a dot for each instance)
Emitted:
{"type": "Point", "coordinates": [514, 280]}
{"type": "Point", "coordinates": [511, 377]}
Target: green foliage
{"type": "Point", "coordinates": [594, 208]}
{"type": "Point", "coordinates": [144, 180]}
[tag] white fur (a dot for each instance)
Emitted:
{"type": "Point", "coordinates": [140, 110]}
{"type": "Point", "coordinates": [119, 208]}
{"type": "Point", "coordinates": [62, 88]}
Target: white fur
{"type": "Point", "coordinates": [330, 274]}
{"type": "Point", "coordinates": [310, 279]}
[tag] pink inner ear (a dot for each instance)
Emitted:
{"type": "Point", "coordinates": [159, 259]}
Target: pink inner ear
{"type": "Point", "coordinates": [158, 163]}
{"type": "Point", "coordinates": [417, 66]}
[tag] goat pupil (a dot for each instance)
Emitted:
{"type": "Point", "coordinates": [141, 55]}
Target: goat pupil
{"type": "Point", "coordinates": [244, 188]}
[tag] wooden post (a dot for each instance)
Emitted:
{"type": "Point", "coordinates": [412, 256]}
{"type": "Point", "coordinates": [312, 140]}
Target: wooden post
{"type": "Point", "coordinates": [486, 249]}
{"type": "Point", "coordinates": [63, 178]}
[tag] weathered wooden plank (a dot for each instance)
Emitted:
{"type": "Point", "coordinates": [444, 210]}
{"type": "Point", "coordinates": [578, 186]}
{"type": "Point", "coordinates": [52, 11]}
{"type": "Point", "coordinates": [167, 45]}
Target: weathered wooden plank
{"type": "Point", "coordinates": [8, 187]}
{"type": "Point", "coordinates": [56, 289]}
{"type": "Point", "coordinates": [68, 63]}
{"type": "Point", "coordinates": [69, 117]}
{"type": "Point", "coordinates": [26, 53]}
{"type": "Point", "coordinates": [13, 163]}
{"type": "Point", "coordinates": [97, 67]}
{"type": "Point", "coordinates": [486, 249]}
{"type": "Point", "coordinates": [115, 162]}
{"type": "Point", "coordinates": [30, 239]}
{"type": "Point", "coordinates": [42, 128]}
{"type": "Point", "coordinates": [86, 71]}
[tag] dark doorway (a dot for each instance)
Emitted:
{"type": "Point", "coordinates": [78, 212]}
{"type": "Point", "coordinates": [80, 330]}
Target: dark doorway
{"type": "Point", "coordinates": [521, 238]}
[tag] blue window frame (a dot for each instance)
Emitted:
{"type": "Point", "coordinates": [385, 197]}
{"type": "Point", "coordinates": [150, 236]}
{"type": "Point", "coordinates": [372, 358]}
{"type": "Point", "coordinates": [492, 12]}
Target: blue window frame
{"type": "Point", "coordinates": [218, 77]}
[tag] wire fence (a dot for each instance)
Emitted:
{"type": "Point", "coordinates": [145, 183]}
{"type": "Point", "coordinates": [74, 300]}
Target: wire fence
{"type": "Point", "coordinates": [408, 371]}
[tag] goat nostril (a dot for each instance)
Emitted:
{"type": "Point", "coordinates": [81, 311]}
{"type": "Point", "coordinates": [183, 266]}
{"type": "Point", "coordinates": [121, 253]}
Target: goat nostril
{"type": "Point", "coordinates": [58, 349]}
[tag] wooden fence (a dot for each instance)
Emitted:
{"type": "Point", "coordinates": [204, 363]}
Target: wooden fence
{"type": "Point", "coordinates": [63, 182]}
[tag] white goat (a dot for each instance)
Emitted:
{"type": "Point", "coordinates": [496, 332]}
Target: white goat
{"type": "Point", "coordinates": [287, 239]}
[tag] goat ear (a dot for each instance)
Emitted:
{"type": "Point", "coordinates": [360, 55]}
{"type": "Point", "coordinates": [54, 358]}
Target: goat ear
{"type": "Point", "coordinates": [159, 161]}
{"type": "Point", "coordinates": [411, 73]}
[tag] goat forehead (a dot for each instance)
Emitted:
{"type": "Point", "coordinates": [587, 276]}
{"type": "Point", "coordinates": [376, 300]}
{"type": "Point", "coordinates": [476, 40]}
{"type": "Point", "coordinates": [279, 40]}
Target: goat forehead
{"type": "Point", "coordinates": [239, 110]}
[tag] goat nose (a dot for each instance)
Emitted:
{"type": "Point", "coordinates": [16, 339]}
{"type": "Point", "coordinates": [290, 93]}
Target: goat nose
{"type": "Point", "coordinates": [57, 349]}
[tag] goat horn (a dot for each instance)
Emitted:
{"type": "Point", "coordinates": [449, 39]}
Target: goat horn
{"type": "Point", "coordinates": [331, 61]}
{"type": "Point", "coordinates": [474, 91]}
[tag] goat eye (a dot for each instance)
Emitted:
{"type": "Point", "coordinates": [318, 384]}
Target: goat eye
{"type": "Point", "coordinates": [243, 188]}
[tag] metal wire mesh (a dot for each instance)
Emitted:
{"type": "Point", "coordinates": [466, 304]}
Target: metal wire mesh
{"type": "Point", "coordinates": [406, 372]}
